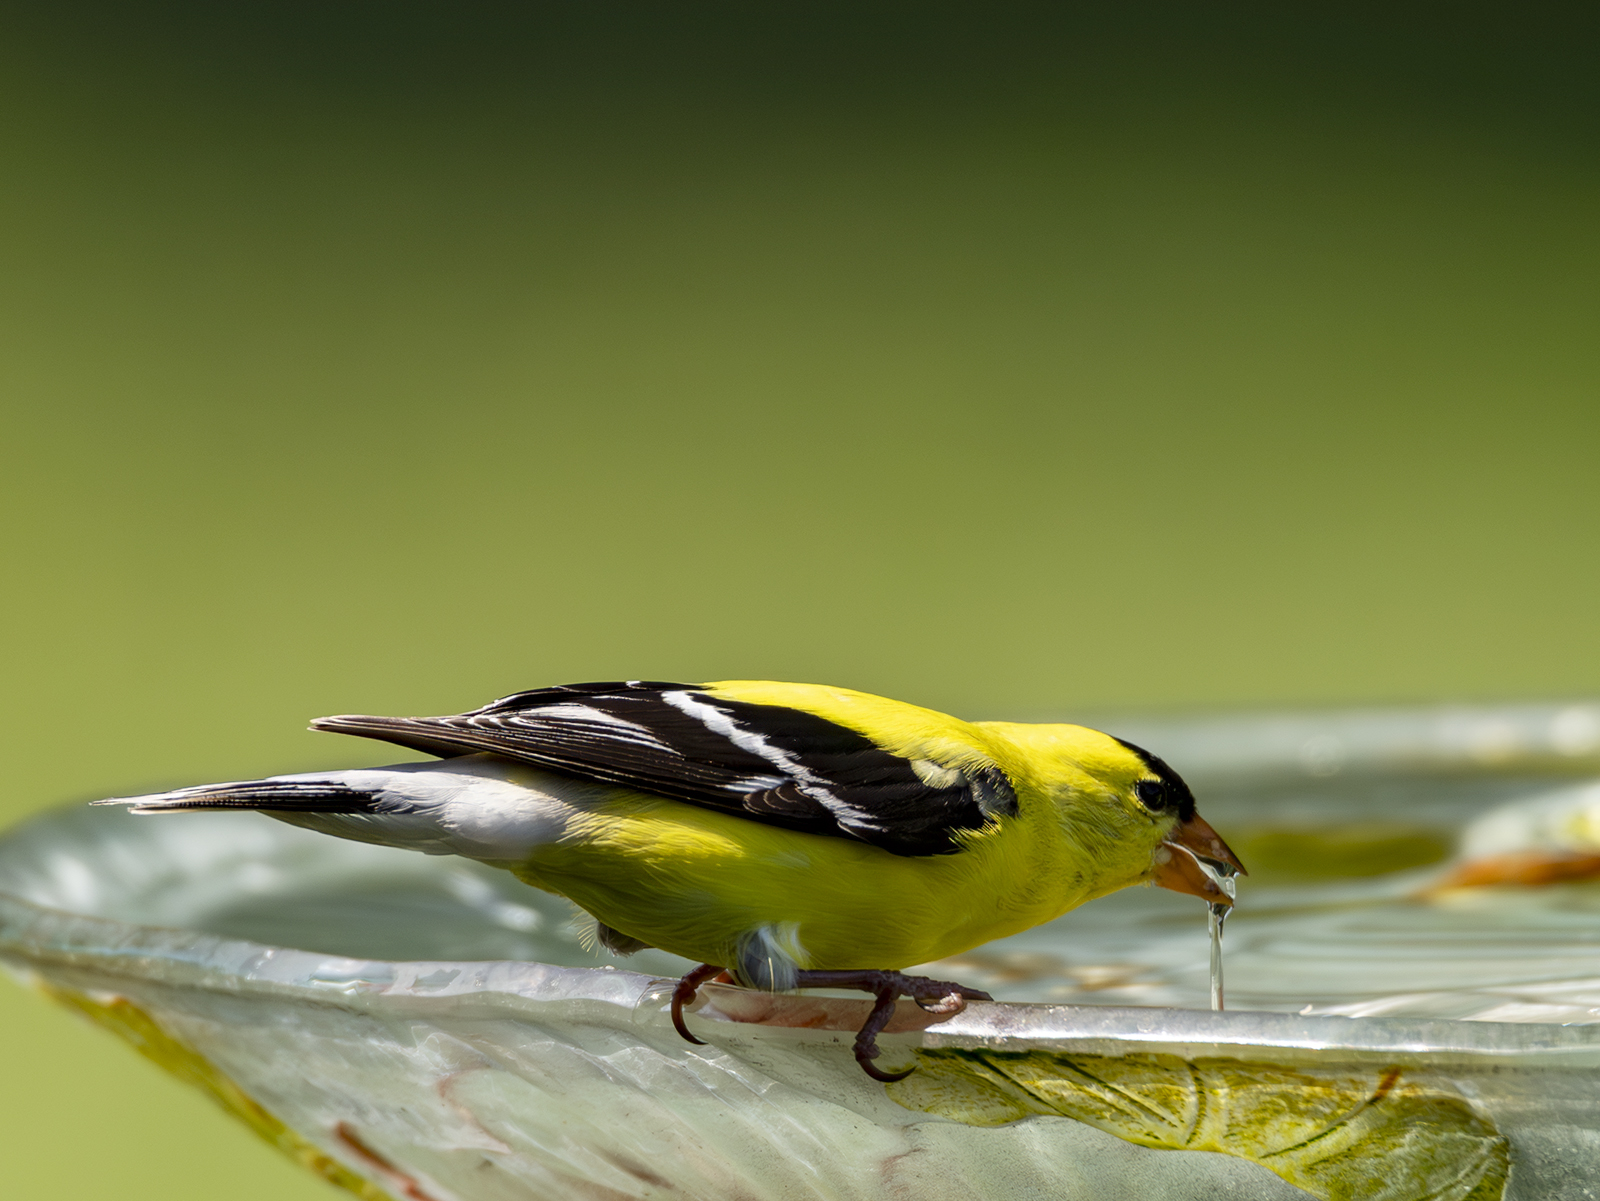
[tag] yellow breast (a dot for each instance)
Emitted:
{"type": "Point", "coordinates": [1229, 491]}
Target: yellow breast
{"type": "Point", "coordinates": [695, 882]}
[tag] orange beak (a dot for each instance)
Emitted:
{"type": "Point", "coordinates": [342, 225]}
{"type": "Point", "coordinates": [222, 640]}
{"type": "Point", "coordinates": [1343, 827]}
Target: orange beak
{"type": "Point", "coordinates": [1180, 871]}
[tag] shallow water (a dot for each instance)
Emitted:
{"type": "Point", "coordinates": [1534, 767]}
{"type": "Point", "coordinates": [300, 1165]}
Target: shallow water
{"type": "Point", "coordinates": [1316, 930]}
{"type": "Point", "coordinates": [1307, 935]}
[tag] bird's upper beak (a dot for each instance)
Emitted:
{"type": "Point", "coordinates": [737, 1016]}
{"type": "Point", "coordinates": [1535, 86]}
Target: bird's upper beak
{"type": "Point", "coordinates": [1178, 866]}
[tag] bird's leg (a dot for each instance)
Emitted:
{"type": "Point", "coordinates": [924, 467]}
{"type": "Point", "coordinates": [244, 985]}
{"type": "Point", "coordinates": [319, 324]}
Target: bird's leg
{"type": "Point", "coordinates": [936, 996]}
{"type": "Point", "coordinates": [685, 992]}
{"type": "Point", "coordinates": [866, 1047]}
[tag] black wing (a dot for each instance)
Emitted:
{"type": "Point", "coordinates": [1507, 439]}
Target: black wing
{"type": "Point", "coordinates": [769, 763]}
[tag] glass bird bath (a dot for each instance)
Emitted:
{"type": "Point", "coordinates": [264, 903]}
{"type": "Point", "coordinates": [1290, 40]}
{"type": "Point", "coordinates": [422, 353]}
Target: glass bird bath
{"type": "Point", "coordinates": [412, 1027]}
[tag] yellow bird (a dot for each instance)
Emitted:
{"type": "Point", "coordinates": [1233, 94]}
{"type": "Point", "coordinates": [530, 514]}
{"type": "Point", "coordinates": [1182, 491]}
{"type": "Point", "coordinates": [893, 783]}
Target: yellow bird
{"type": "Point", "coordinates": [792, 835]}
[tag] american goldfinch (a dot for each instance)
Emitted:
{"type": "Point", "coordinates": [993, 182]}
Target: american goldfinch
{"type": "Point", "coordinates": [792, 835]}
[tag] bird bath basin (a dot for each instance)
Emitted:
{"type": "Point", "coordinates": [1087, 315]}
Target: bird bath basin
{"type": "Point", "coordinates": [418, 1027]}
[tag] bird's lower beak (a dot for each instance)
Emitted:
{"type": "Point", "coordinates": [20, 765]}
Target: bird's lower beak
{"type": "Point", "coordinates": [1178, 861]}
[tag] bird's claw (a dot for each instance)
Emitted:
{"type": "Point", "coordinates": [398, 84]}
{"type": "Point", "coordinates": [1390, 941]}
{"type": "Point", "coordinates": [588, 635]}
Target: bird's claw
{"type": "Point", "coordinates": [684, 992]}
{"type": "Point", "coordinates": [864, 1057]}
{"type": "Point", "coordinates": [934, 996]}
{"type": "Point", "coordinates": [941, 997]}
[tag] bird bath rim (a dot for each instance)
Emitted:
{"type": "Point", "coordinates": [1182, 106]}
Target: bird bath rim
{"type": "Point", "coordinates": [35, 937]}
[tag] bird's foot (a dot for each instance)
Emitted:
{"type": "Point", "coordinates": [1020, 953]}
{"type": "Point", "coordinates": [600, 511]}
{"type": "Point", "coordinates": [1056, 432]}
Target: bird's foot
{"type": "Point", "coordinates": [935, 996]}
{"type": "Point", "coordinates": [685, 992]}
{"type": "Point", "coordinates": [943, 997]}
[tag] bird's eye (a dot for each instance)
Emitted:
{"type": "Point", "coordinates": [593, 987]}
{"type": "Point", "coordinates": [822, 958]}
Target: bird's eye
{"type": "Point", "coordinates": [1152, 794]}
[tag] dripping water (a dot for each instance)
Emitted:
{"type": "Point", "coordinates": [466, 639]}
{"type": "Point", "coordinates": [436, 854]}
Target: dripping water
{"type": "Point", "coordinates": [1222, 875]}
{"type": "Point", "coordinates": [1219, 914]}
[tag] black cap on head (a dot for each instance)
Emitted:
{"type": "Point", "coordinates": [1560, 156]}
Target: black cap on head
{"type": "Point", "coordinates": [1167, 793]}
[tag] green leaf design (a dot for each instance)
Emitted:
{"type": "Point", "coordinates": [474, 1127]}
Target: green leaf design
{"type": "Point", "coordinates": [1341, 1134]}
{"type": "Point", "coordinates": [126, 1020]}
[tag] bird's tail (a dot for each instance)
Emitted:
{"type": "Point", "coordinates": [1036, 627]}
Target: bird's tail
{"type": "Point", "coordinates": [272, 796]}
{"type": "Point", "coordinates": [363, 810]}
{"type": "Point", "coordinates": [473, 806]}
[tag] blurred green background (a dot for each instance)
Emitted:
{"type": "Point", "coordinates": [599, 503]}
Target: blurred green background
{"type": "Point", "coordinates": [1012, 360]}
